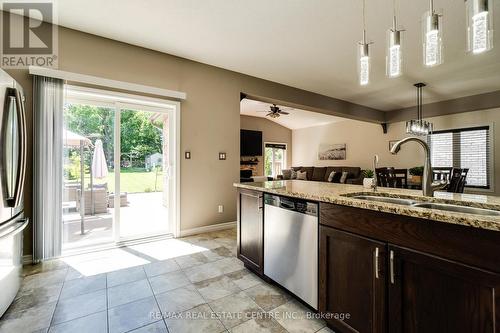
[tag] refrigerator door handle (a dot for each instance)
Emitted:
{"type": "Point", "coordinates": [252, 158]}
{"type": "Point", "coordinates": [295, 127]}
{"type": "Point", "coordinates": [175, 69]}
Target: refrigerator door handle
{"type": "Point", "coordinates": [14, 141]}
{"type": "Point", "coordinates": [20, 225]}
{"type": "Point", "coordinates": [22, 147]}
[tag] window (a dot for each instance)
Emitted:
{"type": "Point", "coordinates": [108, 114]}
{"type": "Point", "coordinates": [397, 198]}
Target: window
{"type": "Point", "coordinates": [274, 159]}
{"type": "Point", "coordinates": [464, 148]}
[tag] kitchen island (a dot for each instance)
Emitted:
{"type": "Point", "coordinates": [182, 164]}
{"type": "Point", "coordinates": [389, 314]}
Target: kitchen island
{"type": "Point", "coordinates": [391, 267]}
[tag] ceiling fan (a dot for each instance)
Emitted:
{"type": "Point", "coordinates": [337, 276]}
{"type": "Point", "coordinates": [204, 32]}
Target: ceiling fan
{"type": "Point", "coordinates": [274, 111]}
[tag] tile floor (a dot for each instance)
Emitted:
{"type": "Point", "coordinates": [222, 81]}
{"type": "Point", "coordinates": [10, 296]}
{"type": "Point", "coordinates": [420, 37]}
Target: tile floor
{"type": "Point", "coordinates": [192, 284]}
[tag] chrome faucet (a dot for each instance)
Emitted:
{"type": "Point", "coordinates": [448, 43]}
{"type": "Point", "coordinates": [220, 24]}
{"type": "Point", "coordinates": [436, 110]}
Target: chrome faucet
{"type": "Point", "coordinates": [428, 187]}
{"type": "Point", "coordinates": [375, 179]}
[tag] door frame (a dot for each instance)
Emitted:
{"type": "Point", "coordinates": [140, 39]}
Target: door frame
{"type": "Point", "coordinates": [117, 101]}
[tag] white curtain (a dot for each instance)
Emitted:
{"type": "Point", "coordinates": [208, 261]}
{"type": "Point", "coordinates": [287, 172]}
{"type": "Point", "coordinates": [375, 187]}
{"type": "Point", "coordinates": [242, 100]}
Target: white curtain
{"type": "Point", "coordinates": [47, 166]}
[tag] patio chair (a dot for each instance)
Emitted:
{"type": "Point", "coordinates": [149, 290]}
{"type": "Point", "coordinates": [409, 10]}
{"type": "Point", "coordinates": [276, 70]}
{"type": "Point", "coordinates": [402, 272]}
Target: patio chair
{"type": "Point", "coordinates": [100, 196]}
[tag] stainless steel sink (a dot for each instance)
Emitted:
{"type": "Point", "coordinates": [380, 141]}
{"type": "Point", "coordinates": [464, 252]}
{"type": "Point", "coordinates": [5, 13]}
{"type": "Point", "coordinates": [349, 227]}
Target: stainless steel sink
{"type": "Point", "coordinates": [397, 201]}
{"type": "Point", "coordinates": [429, 205]}
{"type": "Point", "coordinates": [458, 209]}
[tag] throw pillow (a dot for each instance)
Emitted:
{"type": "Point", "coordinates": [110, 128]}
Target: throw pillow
{"type": "Point", "coordinates": [287, 174]}
{"type": "Point", "coordinates": [344, 177]}
{"type": "Point", "coordinates": [330, 177]}
{"type": "Point", "coordinates": [301, 175]}
{"type": "Point", "coordinates": [336, 177]}
{"type": "Point", "coordinates": [293, 175]}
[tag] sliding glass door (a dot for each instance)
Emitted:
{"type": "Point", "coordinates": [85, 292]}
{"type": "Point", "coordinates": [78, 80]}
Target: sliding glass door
{"type": "Point", "coordinates": [86, 217]}
{"type": "Point", "coordinates": [144, 173]}
{"type": "Point", "coordinates": [119, 183]}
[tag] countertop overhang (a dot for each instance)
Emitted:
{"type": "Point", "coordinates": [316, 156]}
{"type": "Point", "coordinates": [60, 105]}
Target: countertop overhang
{"type": "Point", "coordinates": [339, 194]}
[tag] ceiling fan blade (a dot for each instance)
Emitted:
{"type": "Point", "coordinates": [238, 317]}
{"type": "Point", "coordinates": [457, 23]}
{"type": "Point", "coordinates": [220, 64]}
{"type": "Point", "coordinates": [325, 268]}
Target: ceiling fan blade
{"type": "Point", "coordinates": [263, 111]}
{"type": "Point", "coordinates": [283, 112]}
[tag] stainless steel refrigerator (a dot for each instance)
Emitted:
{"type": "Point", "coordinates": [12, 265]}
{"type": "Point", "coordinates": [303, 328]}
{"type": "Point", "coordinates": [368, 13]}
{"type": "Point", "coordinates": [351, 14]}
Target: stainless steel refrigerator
{"type": "Point", "coordinates": [12, 178]}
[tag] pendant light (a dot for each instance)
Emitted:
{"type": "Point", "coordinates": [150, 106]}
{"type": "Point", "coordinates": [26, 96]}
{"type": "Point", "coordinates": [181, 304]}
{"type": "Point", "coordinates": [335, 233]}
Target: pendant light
{"type": "Point", "coordinates": [419, 126]}
{"type": "Point", "coordinates": [479, 15]}
{"type": "Point", "coordinates": [432, 37]}
{"type": "Point", "coordinates": [364, 56]}
{"type": "Point", "coordinates": [394, 56]}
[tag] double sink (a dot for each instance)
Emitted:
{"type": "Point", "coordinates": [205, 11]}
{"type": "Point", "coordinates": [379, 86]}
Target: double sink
{"type": "Point", "coordinates": [429, 205]}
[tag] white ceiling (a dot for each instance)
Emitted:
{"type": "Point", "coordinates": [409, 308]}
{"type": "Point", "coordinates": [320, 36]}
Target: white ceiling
{"type": "Point", "coordinates": [295, 120]}
{"type": "Point", "coordinates": [309, 44]}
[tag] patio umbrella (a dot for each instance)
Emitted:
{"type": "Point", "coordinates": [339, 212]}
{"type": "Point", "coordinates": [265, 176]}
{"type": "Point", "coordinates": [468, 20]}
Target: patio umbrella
{"type": "Point", "coordinates": [99, 169]}
{"type": "Point", "coordinates": [99, 166]}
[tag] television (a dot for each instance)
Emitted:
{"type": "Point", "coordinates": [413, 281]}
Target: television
{"type": "Point", "coordinates": [250, 143]}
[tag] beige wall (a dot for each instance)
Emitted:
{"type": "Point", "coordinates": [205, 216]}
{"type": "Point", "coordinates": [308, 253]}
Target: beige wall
{"type": "Point", "coordinates": [365, 139]}
{"type": "Point", "coordinates": [271, 132]}
{"type": "Point", "coordinates": [210, 116]}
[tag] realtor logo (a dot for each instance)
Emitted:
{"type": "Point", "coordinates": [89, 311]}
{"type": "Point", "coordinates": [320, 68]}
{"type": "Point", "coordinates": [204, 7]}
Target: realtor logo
{"type": "Point", "coordinates": [28, 36]}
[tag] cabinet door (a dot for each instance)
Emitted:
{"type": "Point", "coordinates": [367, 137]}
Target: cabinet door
{"type": "Point", "coordinates": [250, 230]}
{"type": "Point", "coordinates": [352, 281]}
{"type": "Point", "coordinates": [434, 295]}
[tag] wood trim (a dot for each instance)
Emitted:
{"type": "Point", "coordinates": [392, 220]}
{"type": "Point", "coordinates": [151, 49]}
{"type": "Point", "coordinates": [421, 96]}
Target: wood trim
{"type": "Point", "coordinates": [208, 228]}
{"type": "Point", "coordinates": [103, 82]}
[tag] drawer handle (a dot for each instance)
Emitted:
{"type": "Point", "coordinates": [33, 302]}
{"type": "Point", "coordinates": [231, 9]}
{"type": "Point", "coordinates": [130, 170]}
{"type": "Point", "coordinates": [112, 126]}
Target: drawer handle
{"type": "Point", "coordinates": [391, 265]}
{"type": "Point", "coordinates": [375, 262]}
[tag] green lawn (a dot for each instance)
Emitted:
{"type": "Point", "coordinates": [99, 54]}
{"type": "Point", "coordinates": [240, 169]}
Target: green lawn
{"type": "Point", "coordinates": [133, 180]}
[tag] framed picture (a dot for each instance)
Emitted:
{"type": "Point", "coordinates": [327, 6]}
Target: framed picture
{"type": "Point", "coordinates": [332, 151]}
{"type": "Point", "coordinates": [392, 143]}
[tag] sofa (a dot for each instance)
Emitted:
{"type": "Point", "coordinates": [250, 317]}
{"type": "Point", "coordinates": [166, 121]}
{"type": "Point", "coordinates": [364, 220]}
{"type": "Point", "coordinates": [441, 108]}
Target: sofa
{"type": "Point", "coordinates": [321, 174]}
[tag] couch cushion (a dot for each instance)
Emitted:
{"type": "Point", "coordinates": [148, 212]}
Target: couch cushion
{"type": "Point", "coordinates": [353, 172]}
{"type": "Point", "coordinates": [296, 168]}
{"type": "Point", "coordinates": [287, 174]}
{"type": "Point", "coordinates": [318, 174]}
{"type": "Point", "coordinates": [309, 171]}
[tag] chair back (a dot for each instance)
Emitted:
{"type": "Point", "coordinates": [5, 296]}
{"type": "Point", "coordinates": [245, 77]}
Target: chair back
{"type": "Point", "coordinates": [441, 173]}
{"type": "Point", "coordinates": [390, 177]}
{"type": "Point", "coordinates": [458, 179]}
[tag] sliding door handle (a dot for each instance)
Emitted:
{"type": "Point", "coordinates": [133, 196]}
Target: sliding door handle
{"type": "Point", "coordinates": [376, 262]}
{"type": "Point", "coordinates": [391, 266]}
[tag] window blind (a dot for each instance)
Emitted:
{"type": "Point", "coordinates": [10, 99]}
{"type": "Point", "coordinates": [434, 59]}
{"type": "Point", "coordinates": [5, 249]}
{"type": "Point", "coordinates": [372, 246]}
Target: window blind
{"type": "Point", "coordinates": [276, 145]}
{"type": "Point", "coordinates": [464, 148]}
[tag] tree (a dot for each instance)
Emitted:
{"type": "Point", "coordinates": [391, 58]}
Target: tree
{"type": "Point", "coordinates": [139, 135]}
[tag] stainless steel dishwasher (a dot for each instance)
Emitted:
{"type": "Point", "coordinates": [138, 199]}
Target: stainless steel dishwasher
{"type": "Point", "coordinates": [291, 245]}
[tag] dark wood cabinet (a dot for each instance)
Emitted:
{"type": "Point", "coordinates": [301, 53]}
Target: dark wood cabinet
{"type": "Point", "coordinates": [251, 229]}
{"type": "Point", "coordinates": [352, 281]}
{"type": "Point", "coordinates": [433, 295]}
{"type": "Point", "coordinates": [433, 277]}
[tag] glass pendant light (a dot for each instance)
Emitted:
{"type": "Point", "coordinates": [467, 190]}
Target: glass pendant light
{"type": "Point", "coordinates": [419, 126]}
{"type": "Point", "coordinates": [432, 37]}
{"type": "Point", "coordinates": [364, 56]}
{"type": "Point", "coordinates": [479, 15]}
{"type": "Point", "coordinates": [394, 56]}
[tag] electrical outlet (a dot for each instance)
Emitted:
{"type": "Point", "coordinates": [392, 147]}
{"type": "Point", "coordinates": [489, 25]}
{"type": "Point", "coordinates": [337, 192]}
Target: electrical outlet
{"type": "Point", "coordinates": [221, 209]}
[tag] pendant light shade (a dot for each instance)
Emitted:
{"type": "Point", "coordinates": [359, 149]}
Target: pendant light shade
{"type": "Point", "coordinates": [364, 56]}
{"type": "Point", "coordinates": [479, 14]}
{"type": "Point", "coordinates": [432, 37]}
{"type": "Point", "coordinates": [394, 56]}
{"type": "Point", "coordinates": [419, 126]}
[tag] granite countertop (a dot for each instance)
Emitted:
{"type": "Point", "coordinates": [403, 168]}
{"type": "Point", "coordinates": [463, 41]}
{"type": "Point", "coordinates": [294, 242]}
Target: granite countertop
{"type": "Point", "coordinates": [339, 194]}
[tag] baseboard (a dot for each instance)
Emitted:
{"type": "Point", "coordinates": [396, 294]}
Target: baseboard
{"type": "Point", "coordinates": [27, 259]}
{"type": "Point", "coordinates": [208, 228]}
